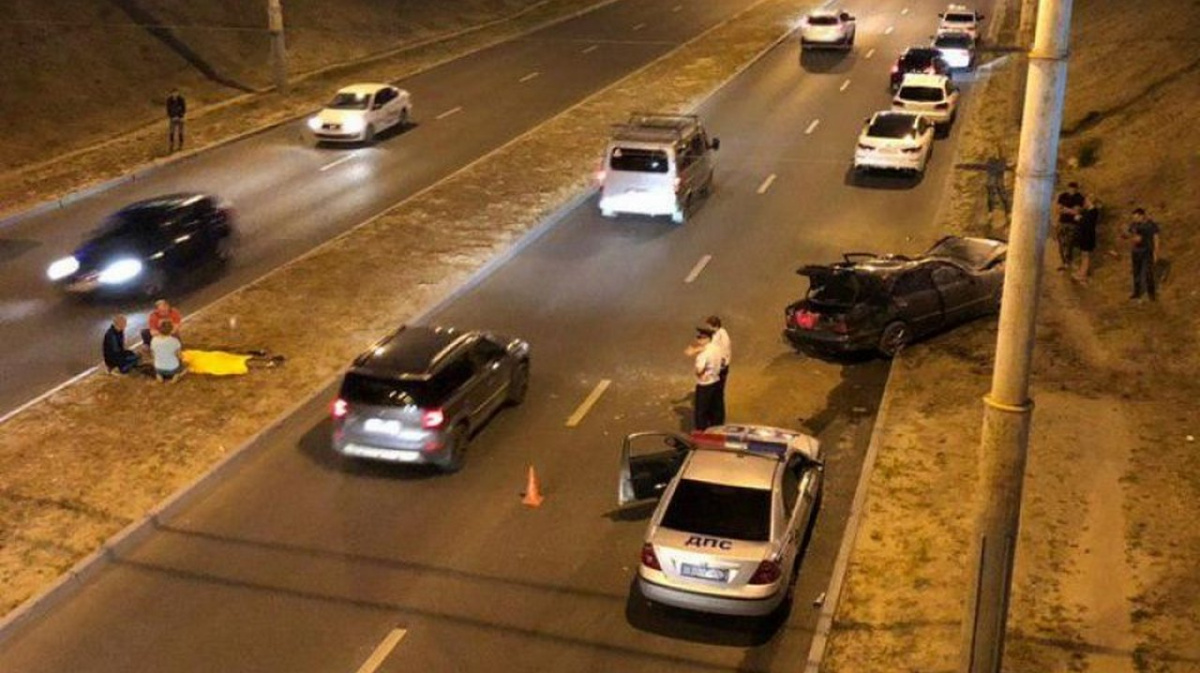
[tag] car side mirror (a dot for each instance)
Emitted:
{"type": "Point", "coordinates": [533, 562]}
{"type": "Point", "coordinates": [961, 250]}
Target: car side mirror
{"type": "Point", "coordinates": [715, 144]}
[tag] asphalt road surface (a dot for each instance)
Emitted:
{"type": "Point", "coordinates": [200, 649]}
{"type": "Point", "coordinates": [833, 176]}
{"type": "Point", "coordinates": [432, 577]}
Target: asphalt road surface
{"type": "Point", "coordinates": [304, 562]}
{"type": "Point", "coordinates": [291, 195]}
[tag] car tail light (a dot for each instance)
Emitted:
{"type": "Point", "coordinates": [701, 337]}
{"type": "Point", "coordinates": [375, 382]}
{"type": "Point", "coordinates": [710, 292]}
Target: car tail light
{"type": "Point", "coordinates": [340, 408]}
{"type": "Point", "coordinates": [766, 573]}
{"type": "Point", "coordinates": [432, 419]}
{"type": "Point", "coordinates": [942, 106]}
{"type": "Point", "coordinates": [805, 319]}
{"type": "Point", "coordinates": [649, 558]}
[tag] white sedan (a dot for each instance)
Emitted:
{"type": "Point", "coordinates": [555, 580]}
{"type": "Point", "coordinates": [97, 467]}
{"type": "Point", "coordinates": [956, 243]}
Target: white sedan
{"type": "Point", "coordinates": [827, 28]}
{"type": "Point", "coordinates": [895, 141]}
{"type": "Point", "coordinates": [960, 19]}
{"type": "Point", "coordinates": [957, 48]}
{"type": "Point", "coordinates": [359, 112]}
{"type": "Point", "coordinates": [932, 96]}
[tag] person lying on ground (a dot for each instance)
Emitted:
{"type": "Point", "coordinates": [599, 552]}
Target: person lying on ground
{"type": "Point", "coordinates": [227, 363]}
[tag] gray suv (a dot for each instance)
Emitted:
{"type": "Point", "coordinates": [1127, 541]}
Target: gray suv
{"type": "Point", "coordinates": [418, 395]}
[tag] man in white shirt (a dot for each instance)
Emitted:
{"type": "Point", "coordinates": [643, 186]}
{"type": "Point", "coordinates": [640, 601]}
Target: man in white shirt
{"type": "Point", "coordinates": [707, 370]}
{"type": "Point", "coordinates": [721, 342]}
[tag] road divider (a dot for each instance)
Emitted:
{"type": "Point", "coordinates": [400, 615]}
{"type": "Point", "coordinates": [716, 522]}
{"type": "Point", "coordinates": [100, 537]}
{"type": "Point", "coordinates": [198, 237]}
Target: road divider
{"type": "Point", "coordinates": [587, 404]}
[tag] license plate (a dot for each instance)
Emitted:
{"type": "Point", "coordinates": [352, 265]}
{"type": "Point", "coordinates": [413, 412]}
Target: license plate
{"type": "Point", "coordinates": [703, 572]}
{"type": "Point", "coordinates": [382, 426]}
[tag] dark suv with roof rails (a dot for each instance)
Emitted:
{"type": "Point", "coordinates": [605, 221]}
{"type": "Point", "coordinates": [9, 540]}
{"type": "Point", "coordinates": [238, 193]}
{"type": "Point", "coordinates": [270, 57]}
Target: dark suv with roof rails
{"type": "Point", "coordinates": [419, 394]}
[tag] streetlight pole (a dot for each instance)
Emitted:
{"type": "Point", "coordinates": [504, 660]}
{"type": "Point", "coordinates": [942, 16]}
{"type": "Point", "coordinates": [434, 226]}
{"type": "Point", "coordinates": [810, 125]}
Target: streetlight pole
{"type": "Point", "coordinates": [1007, 408]}
{"type": "Point", "coordinates": [278, 50]}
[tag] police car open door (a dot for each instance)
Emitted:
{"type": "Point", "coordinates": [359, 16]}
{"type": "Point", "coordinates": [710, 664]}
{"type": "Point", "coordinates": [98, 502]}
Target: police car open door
{"type": "Point", "coordinates": [649, 460]}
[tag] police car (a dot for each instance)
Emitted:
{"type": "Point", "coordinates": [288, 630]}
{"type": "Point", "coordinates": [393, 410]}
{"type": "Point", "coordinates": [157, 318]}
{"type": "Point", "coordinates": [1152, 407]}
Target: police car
{"type": "Point", "coordinates": [736, 506]}
{"type": "Point", "coordinates": [961, 19]}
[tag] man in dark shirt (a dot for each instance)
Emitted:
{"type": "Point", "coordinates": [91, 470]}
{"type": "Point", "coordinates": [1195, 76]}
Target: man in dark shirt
{"type": "Point", "coordinates": [1143, 232]}
{"type": "Point", "coordinates": [117, 358]}
{"type": "Point", "coordinates": [1069, 206]}
{"type": "Point", "coordinates": [1085, 236]}
{"type": "Point", "coordinates": [176, 109]}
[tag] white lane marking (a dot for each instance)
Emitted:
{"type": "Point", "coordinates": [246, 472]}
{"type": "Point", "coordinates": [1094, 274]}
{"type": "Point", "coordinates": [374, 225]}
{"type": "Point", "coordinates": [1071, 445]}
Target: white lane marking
{"type": "Point", "coordinates": [844, 85]}
{"type": "Point", "coordinates": [586, 406]}
{"type": "Point", "coordinates": [695, 272]}
{"type": "Point", "coordinates": [766, 184]}
{"type": "Point", "coordinates": [530, 76]}
{"type": "Point", "coordinates": [382, 651]}
{"type": "Point", "coordinates": [343, 160]}
{"type": "Point", "coordinates": [870, 53]}
{"type": "Point", "coordinates": [812, 127]}
{"type": "Point", "coordinates": [639, 26]}
{"type": "Point", "coordinates": [904, 11]}
{"type": "Point", "coordinates": [590, 49]}
{"type": "Point", "coordinates": [451, 111]}
{"type": "Point", "coordinates": [888, 30]}
{"type": "Point", "coordinates": [676, 8]}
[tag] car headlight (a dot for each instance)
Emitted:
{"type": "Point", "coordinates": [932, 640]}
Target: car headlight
{"type": "Point", "coordinates": [62, 268]}
{"type": "Point", "coordinates": [314, 123]}
{"type": "Point", "coordinates": [353, 125]}
{"type": "Point", "coordinates": [121, 271]}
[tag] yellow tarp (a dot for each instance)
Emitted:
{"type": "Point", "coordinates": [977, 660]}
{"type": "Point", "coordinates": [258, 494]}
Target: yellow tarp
{"type": "Point", "coordinates": [215, 363]}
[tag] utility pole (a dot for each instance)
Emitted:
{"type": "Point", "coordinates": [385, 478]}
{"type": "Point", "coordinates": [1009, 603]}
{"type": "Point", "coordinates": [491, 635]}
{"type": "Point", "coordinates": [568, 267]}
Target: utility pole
{"type": "Point", "coordinates": [278, 50]}
{"type": "Point", "coordinates": [1007, 408]}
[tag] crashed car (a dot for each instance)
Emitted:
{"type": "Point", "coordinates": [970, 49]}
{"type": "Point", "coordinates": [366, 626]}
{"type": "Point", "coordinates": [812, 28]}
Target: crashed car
{"type": "Point", "coordinates": [736, 505]}
{"type": "Point", "coordinates": [873, 302]}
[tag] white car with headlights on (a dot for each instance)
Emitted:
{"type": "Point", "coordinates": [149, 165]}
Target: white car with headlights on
{"type": "Point", "coordinates": [736, 507]}
{"type": "Point", "coordinates": [894, 141]}
{"type": "Point", "coordinates": [958, 49]}
{"type": "Point", "coordinates": [824, 28]}
{"type": "Point", "coordinates": [146, 245]}
{"type": "Point", "coordinates": [360, 112]}
{"type": "Point", "coordinates": [932, 96]}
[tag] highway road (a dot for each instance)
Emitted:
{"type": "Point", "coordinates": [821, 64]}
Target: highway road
{"type": "Point", "coordinates": [291, 196]}
{"type": "Point", "coordinates": [303, 562]}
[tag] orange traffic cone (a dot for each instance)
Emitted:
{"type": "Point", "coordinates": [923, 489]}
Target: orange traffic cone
{"type": "Point", "coordinates": [533, 495]}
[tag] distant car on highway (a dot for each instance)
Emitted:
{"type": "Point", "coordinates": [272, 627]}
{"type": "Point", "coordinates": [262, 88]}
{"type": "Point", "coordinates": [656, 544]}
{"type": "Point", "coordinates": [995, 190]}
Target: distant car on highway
{"type": "Point", "coordinates": [360, 112]}
{"type": "Point", "coordinates": [961, 19]}
{"type": "Point", "coordinates": [872, 302]}
{"type": "Point", "coordinates": [147, 245]}
{"type": "Point", "coordinates": [737, 504]}
{"type": "Point", "coordinates": [895, 141]}
{"type": "Point", "coordinates": [829, 29]}
{"type": "Point", "coordinates": [657, 164]}
{"type": "Point", "coordinates": [419, 394]}
{"type": "Point", "coordinates": [932, 96]}
{"type": "Point", "coordinates": [918, 60]}
{"type": "Point", "coordinates": [957, 48]}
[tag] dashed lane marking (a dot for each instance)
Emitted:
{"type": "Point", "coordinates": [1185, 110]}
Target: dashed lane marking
{"type": "Point", "coordinates": [904, 12]}
{"type": "Point", "coordinates": [588, 403]}
{"type": "Point", "coordinates": [766, 184]}
{"type": "Point", "coordinates": [696, 270]}
{"type": "Point", "coordinates": [870, 53]}
{"type": "Point", "coordinates": [530, 76]}
{"type": "Point", "coordinates": [639, 26]}
{"type": "Point", "coordinates": [888, 30]}
{"type": "Point", "coordinates": [382, 651]}
{"type": "Point", "coordinates": [451, 111]}
{"type": "Point", "coordinates": [343, 160]}
{"type": "Point", "coordinates": [812, 127]}
{"type": "Point", "coordinates": [844, 85]}
{"type": "Point", "coordinates": [591, 49]}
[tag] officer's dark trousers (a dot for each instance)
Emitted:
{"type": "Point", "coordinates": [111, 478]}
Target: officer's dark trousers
{"type": "Point", "coordinates": [705, 409]}
{"type": "Point", "coordinates": [719, 416]}
{"type": "Point", "coordinates": [1143, 273]}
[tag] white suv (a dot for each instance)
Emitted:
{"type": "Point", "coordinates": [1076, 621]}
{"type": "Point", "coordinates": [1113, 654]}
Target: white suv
{"type": "Point", "coordinates": [958, 18]}
{"type": "Point", "coordinates": [358, 112]}
{"type": "Point", "coordinates": [827, 28]}
{"type": "Point", "coordinates": [932, 96]}
{"type": "Point", "coordinates": [737, 504]}
{"type": "Point", "coordinates": [898, 141]}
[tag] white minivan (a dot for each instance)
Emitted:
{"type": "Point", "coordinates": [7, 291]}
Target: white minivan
{"type": "Point", "coordinates": [656, 164]}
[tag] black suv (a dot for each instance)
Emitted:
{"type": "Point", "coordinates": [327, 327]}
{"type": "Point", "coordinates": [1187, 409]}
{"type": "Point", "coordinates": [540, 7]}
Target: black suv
{"type": "Point", "coordinates": [418, 395]}
{"type": "Point", "coordinates": [143, 247]}
{"type": "Point", "coordinates": [922, 60]}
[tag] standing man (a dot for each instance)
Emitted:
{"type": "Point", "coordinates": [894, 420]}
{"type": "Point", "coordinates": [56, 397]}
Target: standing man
{"type": "Point", "coordinates": [707, 370]}
{"type": "Point", "coordinates": [724, 348]}
{"type": "Point", "coordinates": [1086, 237]}
{"type": "Point", "coordinates": [176, 109]}
{"type": "Point", "coordinates": [1143, 232]}
{"type": "Point", "coordinates": [117, 358]}
{"type": "Point", "coordinates": [1069, 206]}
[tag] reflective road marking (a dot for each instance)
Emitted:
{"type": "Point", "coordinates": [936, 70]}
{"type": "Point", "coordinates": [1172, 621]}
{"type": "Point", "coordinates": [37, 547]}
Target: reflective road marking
{"type": "Point", "coordinates": [889, 30]}
{"type": "Point", "coordinates": [530, 76]}
{"type": "Point", "coordinates": [812, 127]}
{"type": "Point", "coordinates": [591, 49]}
{"type": "Point", "coordinates": [844, 85]}
{"type": "Point", "coordinates": [343, 160]}
{"type": "Point", "coordinates": [385, 648]}
{"type": "Point", "coordinates": [870, 53]}
{"type": "Point", "coordinates": [451, 111]}
{"type": "Point", "coordinates": [766, 184]}
{"type": "Point", "coordinates": [700, 266]}
{"type": "Point", "coordinates": [639, 26]}
{"type": "Point", "coordinates": [587, 403]}
{"type": "Point", "coordinates": [904, 11]}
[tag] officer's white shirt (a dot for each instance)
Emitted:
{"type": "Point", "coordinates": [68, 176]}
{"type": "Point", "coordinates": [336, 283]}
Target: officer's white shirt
{"type": "Point", "coordinates": [720, 339]}
{"type": "Point", "coordinates": [708, 365]}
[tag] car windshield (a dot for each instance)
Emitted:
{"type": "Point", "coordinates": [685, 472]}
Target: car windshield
{"type": "Point", "coordinates": [921, 94]}
{"type": "Point", "coordinates": [638, 160]}
{"type": "Point", "coordinates": [345, 100]}
{"type": "Point", "coordinates": [953, 41]}
{"type": "Point", "coordinates": [891, 126]}
{"type": "Point", "coordinates": [834, 289]}
{"type": "Point", "coordinates": [822, 21]}
{"type": "Point", "coordinates": [718, 510]}
{"type": "Point", "coordinates": [360, 389]}
{"type": "Point", "coordinates": [959, 18]}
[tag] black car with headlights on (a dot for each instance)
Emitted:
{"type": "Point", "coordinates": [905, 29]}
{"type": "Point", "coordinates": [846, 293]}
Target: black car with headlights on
{"type": "Point", "coordinates": [147, 245]}
{"type": "Point", "coordinates": [872, 302]}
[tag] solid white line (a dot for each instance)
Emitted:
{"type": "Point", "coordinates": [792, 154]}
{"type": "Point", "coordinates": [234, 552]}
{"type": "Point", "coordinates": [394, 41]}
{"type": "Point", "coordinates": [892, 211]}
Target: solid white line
{"type": "Point", "coordinates": [343, 160]}
{"type": "Point", "coordinates": [844, 85]}
{"type": "Point", "coordinates": [870, 53]}
{"type": "Point", "coordinates": [530, 76]}
{"type": "Point", "coordinates": [812, 127]}
{"type": "Point", "coordinates": [590, 49]}
{"type": "Point", "coordinates": [766, 184]}
{"type": "Point", "coordinates": [382, 651]}
{"type": "Point", "coordinates": [904, 11]}
{"type": "Point", "coordinates": [888, 30]}
{"type": "Point", "coordinates": [695, 272]}
{"type": "Point", "coordinates": [451, 111]}
{"type": "Point", "coordinates": [587, 403]}
{"type": "Point", "coordinates": [639, 26]}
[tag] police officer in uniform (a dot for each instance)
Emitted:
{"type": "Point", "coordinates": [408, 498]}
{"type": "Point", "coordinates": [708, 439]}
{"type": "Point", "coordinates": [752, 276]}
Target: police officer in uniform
{"type": "Point", "coordinates": [707, 370]}
{"type": "Point", "coordinates": [724, 346]}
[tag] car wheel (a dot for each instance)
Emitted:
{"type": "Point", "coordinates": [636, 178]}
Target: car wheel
{"type": "Point", "coordinates": [895, 336]}
{"type": "Point", "coordinates": [518, 386]}
{"type": "Point", "coordinates": [369, 135]}
{"type": "Point", "coordinates": [456, 449]}
{"type": "Point", "coordinates": [155, 283]}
